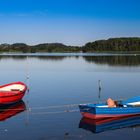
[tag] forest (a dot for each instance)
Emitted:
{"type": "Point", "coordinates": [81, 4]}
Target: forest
{"type": "Point", "coordinates": [113, 44]}
{"type": "Point", "coordinates": [130, 44]}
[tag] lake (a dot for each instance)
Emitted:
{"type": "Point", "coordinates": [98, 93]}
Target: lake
{"type": "Point", "coordinates": [57, 84]}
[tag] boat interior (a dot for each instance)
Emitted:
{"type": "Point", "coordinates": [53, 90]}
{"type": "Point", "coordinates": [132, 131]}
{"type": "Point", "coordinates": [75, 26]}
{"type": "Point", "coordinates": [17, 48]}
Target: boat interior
{"type": "Point", "coordinates": [14, 87]}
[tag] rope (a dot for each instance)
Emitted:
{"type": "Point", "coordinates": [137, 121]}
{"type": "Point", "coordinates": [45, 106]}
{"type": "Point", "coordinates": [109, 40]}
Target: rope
{"type": "Point", "coordinates": [57, 112]}
{"type": "Point", "coordinates": [44, 113]}
{"type": "Point", "coordinates": [43, 107]}
{"type": "Point", "coordinates": [53, 107]}
{"type": "Point", "coordinates": [62, 106]}
{"type": "Point", "coordinates": [30, 111]}
{"type": "Point", "coordinates": [48, 107]}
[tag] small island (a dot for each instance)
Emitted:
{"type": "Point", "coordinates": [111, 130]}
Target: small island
{"type": "Point", "coordinates": [129, 44]}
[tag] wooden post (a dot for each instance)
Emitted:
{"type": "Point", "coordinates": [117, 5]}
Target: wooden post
{"type": "Point", "coordinates": [100, 88]}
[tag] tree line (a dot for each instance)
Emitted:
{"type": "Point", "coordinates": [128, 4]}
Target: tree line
{"type": "Point", "coordinates": [113, 44]}
{"type": "Point", "coordinates": [131, 44]}
{"type": "Point", "coordinates": [46, 47]}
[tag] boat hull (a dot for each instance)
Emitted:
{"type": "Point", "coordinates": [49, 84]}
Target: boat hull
{"type": "Point", "coordinates": [93, 112]}
{"type": "Point", "coordinates": [8, 97]}
{"type": "Point", "coordinates": [101, 116]}
{"type": "Point", "coordinates": [12, 98]}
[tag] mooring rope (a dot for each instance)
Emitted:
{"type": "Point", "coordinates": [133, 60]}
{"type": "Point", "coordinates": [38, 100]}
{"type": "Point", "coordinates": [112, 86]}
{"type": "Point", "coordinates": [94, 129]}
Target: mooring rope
{"type": "Point", "coordinates": [42, 110]}
{"type": "Point", "coordinates": [53, 107]}
{"type": "Point", "coordinates": [49, 107]}
{"type": "Point", "coordinates": [41, 107]}
{"type": "Point", "coordinates": [55, 112]}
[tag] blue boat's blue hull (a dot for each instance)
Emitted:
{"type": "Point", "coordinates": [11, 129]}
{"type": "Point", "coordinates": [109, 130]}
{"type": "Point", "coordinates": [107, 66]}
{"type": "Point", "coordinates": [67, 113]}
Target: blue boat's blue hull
{"type": "Point", "coordinates": [93, 112]}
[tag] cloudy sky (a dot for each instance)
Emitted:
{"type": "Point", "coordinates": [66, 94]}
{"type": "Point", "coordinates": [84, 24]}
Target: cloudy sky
{"type": "Point", "coordinates": [72, 22]}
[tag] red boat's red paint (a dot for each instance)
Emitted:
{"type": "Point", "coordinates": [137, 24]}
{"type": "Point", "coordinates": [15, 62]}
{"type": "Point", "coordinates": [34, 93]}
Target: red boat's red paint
{"type": "Point", "coordinates": [101, 116]}
{"type": "Point", "coordinates": [7, 97]}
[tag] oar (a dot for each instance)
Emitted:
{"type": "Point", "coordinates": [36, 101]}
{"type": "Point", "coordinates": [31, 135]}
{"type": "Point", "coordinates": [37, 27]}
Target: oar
{"type": "Point", "coordinates": [135, 101]}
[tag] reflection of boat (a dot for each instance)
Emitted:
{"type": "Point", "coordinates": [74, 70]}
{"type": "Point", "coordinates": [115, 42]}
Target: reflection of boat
{"type": "Point", "coordinates": [100, 111]}
{"type": "Point", "coordinates": [7, 111]}
{"type": "Point", "coordinates": [101, 125]}
{"type": "Point", "coordinates": [12, 92]}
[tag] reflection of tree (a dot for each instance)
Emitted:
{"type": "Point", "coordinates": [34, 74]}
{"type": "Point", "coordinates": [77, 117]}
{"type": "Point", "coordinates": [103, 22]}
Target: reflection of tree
{"type": "Point", "coordinates": [121, 60]}
{"type": "Point", "coordinates": [55, 58]}
{"type": "Point", "coordinates": [23, 57]}
{"type": "Point", "coordinates": [18, 57]}
{"type": "Point", "coordinates": [114, 60]}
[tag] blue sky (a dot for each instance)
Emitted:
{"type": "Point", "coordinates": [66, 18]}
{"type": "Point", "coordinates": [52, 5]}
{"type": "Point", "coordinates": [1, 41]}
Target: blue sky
{"type": "Point", "coordinates": [72, 22]}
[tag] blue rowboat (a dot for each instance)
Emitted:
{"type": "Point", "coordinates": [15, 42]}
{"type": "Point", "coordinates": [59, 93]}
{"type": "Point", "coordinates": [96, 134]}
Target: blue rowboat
{"type": "Point", "coordinates": [98, 111]}
{"type": "Point", "coordinates": [101, 125]}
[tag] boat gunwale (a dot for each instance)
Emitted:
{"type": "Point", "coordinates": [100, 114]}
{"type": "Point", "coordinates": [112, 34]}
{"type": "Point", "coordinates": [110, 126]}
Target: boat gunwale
{"type": "Point", "coordinates": [6, 94]}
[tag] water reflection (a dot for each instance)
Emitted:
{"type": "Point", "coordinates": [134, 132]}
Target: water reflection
{"type": "Point", "coordinates": [22, 57]}
{"type": "Point", "coordinates": [112, 60]}
{"type": "Point", "coordinates": [8, 111]}
{"type": "Point", "coordinates": [101, 125]}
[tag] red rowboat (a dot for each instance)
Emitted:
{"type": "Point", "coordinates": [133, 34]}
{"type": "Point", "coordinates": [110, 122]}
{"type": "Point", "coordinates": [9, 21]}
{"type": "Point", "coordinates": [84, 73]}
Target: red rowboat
{"type": "Point", "coordinates": [12, 92]}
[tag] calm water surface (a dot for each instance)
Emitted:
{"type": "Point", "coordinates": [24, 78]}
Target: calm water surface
{"type": "Point", "coordinates": [61, 80]}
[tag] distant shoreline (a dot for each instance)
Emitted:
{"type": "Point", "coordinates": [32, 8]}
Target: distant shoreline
{"type": "Point", "coordinates": [112, 45]}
